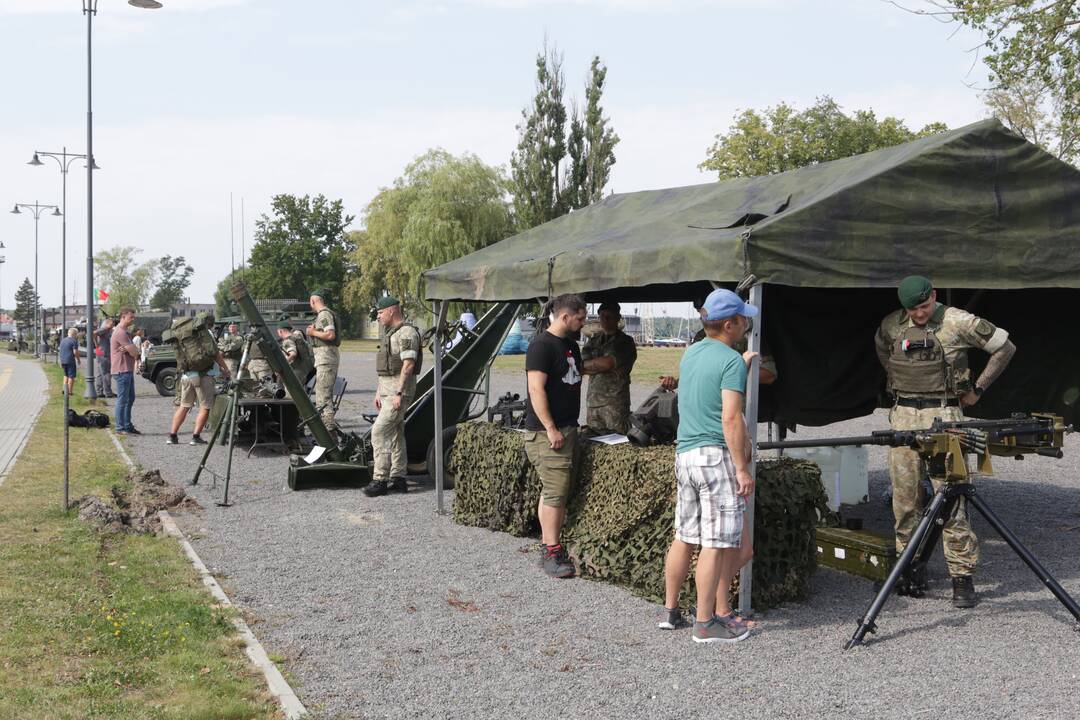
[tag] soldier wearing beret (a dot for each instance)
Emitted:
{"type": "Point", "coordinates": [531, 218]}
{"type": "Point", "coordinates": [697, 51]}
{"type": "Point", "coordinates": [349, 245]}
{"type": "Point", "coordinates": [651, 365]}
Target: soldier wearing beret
{"type": "Point", "coordinates": [325, 338]}
{"type": "Point", "coordinates": [397, 363]}
{"type": "Point", "coordinates": [231, 345]}
{"type": "Point", "coordinates": [923, 348]}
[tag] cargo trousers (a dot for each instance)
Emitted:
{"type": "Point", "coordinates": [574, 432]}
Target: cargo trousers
{"type": "Point", "coordinates": [906, 469]}
{"type": "Point", "coordinates": [327, 358]}
{"type": "Point", "coordinates": [388, 432]}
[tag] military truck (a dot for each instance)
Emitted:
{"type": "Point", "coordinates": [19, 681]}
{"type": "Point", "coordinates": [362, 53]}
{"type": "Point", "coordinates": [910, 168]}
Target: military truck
{"type": "Point", "coordinates": [160, 364]}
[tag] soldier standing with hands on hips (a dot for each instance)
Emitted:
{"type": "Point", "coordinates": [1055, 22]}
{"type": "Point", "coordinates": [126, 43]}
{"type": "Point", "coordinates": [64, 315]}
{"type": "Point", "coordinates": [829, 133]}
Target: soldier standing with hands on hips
{"type": "Point", "coordinates": [397, 363]}
{"type": "Point", "coordinates": [923, 348]}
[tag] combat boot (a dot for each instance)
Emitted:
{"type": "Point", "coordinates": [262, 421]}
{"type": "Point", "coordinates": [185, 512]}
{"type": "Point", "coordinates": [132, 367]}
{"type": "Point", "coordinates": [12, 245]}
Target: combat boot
{"type": "Point", "coordinates": [376, 488]}
{"type": "Point", "coordinates": [963, 592]}
{"type": "Point", "coordinates": [399, 485]}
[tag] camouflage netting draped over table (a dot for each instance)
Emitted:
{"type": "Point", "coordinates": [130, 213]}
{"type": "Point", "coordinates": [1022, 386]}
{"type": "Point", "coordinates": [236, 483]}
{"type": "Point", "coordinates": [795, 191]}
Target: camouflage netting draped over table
{"type": "Point", "coordinates": [619, 522]}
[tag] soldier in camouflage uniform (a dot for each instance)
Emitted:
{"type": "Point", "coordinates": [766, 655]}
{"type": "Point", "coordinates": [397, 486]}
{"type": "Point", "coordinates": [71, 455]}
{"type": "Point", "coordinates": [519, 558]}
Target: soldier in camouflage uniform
{"type": "Point", "coordinates": [608, 358]}
{"type": "Point", "coordinates": [397, 364]}
{"type": "Point", "coordinates": [296, 350]}
{"type": "Point", "coordinates": [325, 341]}
{"type": "Point", "coordinates": [923, 348]}
{"type": "Point", "coordinates": [257, 366]}
{"type": "Point", "coordinates": [231, 345]}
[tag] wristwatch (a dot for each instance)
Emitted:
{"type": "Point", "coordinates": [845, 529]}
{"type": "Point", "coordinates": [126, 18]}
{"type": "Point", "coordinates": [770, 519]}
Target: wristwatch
{"type": "Point", "coordinates": [978, 391]}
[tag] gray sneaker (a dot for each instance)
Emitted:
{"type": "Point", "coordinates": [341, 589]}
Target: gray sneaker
{"type": "Point", "coordinates": [556, 562]}
{"type": "Point", "coordinates": [672, 620]}
{"type": "Point", "coordinates": [718, 631]}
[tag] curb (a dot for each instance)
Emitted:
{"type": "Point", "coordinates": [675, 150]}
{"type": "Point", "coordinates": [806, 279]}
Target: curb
{"type": "Point", "coordinates": [275, 681]}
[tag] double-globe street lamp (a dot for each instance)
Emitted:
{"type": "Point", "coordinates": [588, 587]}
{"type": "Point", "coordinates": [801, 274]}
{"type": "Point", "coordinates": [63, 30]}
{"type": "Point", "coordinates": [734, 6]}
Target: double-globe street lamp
{"type": "Point", "coordinates": [64, 160]}
{"type": "Point", "coordinates": [36, 209]}
{"type": "Point", "coordinates": [89, 8]}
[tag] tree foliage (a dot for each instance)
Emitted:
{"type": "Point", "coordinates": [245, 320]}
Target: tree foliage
{"type": "Point", "coordinates": [223, 302]}
{"type": "Point", "coordinates": [1035, 113]}
{"type": "Point", "coordinates": [301, 247]}
{"type": "Point", "coordinates": [442, 207]}
{"type": "Point", "coordinates": [781, 138]}
{"type": "Point", "coordinates": [126, 280]}
{"type": "Point", "coordinates": [26, 300]}
{"type": "Point", "coordinates": [1031, 46]}
{"type": "Point", "coordinates": [173, 277]}
{"type": "Point", "coordinates": [550, 172]}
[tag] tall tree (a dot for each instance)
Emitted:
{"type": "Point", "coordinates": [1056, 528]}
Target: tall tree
{"type": "Point", "coordinates": [782, 138]}
{"type": "Point", "coordinates": [302, 246]}
{"type": "Point", "coordinates": [1034, 112]}
{"type": "Point", "coordinates": [126, 280]}
{"type": "Point", "coordinates": [1028, 42]}
{"type": "Point", "coordinates": [538, 189]}
{"type": "Point", "coordinates": [442, 207]}
{"type": "Point", "coordinates": [173, 277]}
{"type": "Point", "coordinates": [552, 173]}
{"type": "Point", "coordinates": [223, 302]}
{"type": "Point", "coordinates": [26, 300]}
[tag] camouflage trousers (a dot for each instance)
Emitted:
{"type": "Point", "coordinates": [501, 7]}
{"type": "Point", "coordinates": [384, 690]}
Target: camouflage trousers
{"type": "Point", "coordinates": [613, 418]}
{"type": "Point", "coordinates": [388, 432]}
{"type": "Point", "coordinates": [907, 470]}
{"type": "Point", "coordinates": [325, 375]}
{"type": "Point", "coordinates": [259, 369]}
{"type": "Point", "coordinates": [234, 365]}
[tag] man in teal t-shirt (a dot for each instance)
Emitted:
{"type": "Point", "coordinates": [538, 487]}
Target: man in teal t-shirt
{"type": "Point", "coordinates": [712, 471]}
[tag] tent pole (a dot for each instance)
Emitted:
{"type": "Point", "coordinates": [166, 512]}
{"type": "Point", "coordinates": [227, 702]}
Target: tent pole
{"type": "Point", "coordinates": [746, 575]}
{"type": "Point", "coordinates": [440, 471]}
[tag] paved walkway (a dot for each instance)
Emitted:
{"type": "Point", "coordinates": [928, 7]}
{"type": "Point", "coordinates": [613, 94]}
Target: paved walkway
{"type": "Point", "coordinates": [23, 391]}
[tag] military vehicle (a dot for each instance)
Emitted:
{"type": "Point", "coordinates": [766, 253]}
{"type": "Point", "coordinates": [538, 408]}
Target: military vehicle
{"type": "Point", "coordinates": [160, 364]}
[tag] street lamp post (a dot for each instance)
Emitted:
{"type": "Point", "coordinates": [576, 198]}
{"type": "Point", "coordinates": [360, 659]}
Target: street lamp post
{"type": "Point", "coordinates": [89, 8]}
{"type": "Point", "coordinates": [36, 209]}
{"type": "Point", "coordinates": [64, 160]}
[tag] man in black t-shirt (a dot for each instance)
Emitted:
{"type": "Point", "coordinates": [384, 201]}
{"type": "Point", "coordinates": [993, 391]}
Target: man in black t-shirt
{"type": "Point", "coordinates": [553, 370]}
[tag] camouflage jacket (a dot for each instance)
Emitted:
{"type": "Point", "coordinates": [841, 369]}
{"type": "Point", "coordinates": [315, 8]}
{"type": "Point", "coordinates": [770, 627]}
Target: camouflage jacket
{"type": "Point", "coordinates": [231, 346]}
{"type": "Point", "coordinates": [612, 387]}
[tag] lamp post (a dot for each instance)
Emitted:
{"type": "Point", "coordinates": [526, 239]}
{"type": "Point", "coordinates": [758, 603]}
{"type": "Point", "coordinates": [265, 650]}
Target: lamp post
{"type": "Point", "coordinates": [64, 160]}
{"type": "Point", "coordinates": [36, 209]}
{"type": "Point", "coordinates": [89, 8]}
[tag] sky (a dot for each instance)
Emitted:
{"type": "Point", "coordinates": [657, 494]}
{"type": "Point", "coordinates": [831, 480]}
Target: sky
{"type": "Point", "coordinates": [206, 98]}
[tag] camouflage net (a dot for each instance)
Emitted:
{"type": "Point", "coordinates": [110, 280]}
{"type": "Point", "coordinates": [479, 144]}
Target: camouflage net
{"type": "Point", "coordinates": [620, 517]}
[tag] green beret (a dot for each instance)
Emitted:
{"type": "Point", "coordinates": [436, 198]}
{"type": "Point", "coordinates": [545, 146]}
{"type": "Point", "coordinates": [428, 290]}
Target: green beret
{"type": "Point", "coordinates": [284, 326]}
{"type": "Point", "coordinates": [914, 290]}
{"type": "Point", "coordinates": [321, 293]}
{"type": "Point", "coordinates": [385, 302]}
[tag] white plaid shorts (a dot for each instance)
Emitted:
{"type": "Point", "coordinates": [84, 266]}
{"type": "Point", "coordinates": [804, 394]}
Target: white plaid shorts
{"type": "Point", "coordinates": [708, 510]}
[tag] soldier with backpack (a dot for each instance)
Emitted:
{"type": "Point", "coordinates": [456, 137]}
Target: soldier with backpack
{"type": "Point", "coordinates": [296, 350]}
{"type": "Point", "coordinates": [196, 354]}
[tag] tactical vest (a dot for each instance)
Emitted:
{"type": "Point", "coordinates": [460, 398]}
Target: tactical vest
{"type": "Point", "coordinates": [318, 342]}
{"type": "Point", "coordinates": [389, 365]}
{"type": "Point", "coordinates": [917, 363]}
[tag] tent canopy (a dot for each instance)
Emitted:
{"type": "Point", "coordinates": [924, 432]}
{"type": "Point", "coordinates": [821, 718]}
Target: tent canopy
{"type": "Point", "coordinates": [976, 207]}
{"type": "Point", "coordinates": [983, 213]}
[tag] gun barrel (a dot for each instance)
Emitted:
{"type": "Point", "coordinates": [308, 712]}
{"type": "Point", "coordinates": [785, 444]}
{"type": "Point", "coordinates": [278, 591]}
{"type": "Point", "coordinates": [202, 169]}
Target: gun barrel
{"type": "Point", "coordinates": [882, 438]}
{"type": "Point", "coordinates": [276, 359]}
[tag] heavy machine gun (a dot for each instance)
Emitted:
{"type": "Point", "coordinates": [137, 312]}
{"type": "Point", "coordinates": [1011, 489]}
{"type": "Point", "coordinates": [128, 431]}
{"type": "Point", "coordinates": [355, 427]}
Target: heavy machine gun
{"type": "Point", "coordinates": [945, 447]}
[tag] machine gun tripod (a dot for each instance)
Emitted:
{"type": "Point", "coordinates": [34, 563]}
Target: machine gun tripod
{"type": "Point", "coordinates": [944, 448]}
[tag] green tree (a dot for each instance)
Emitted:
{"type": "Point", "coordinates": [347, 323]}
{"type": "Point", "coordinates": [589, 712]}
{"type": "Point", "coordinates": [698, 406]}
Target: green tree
{"type": "Point", "coordinates": [128, 282]}
{"type": "Point", "coordinates": [782, 138]}
{"type": "Point", "coordinates": [301, 247]}
{"type": "Point", "coordinates": [442, 207]}
{"type": "Point", "coordinates": [1028, 42]}
{"type": "Point", "coordinates": [173, 277]}
{"type": "Point", "coordinates": [1032, 111]}
{"type": "Point", "coordinates": [550, 172]}
{"type": "Point", "coordinates": [223, 303]}
{"type": "Point", "coordinates": [26, 300]}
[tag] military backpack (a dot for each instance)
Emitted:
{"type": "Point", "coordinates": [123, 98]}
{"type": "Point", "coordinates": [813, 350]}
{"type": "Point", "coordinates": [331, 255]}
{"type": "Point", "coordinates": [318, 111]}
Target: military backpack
{"type": "Point", "coordinates": [194, 343]}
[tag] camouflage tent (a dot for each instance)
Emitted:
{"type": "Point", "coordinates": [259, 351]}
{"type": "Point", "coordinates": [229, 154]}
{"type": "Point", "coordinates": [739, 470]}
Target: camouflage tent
{"type": "Point", "coordinates": [989, 217]}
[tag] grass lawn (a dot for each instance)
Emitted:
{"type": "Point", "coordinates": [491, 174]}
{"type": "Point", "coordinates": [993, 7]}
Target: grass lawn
{"type": "Point", "coordinates": [104, 627]}
{"type": "Point", "coordinates": [359, 345]}
{"type": "Point", "coordinates": [652, 362]}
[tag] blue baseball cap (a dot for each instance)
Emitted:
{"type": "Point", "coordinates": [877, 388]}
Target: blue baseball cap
{"type": "Point", "coordinates": [722, 304]}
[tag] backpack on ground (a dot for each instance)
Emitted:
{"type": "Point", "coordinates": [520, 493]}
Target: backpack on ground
{"type": "Point", "coordinates": [656, 421]}
{"type": "Point", "coordinates": [89, 419]}
{"type": "Point", "coordinates": [193, 341]}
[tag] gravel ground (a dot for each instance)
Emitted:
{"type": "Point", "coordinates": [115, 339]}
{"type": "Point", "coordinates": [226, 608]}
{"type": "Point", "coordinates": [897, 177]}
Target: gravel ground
{"type": "Point", "coordinates": [382, 608]}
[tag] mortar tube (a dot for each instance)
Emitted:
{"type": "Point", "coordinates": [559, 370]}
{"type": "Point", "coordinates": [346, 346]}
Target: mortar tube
{"type": "Point", "coordinates": [276, 359]}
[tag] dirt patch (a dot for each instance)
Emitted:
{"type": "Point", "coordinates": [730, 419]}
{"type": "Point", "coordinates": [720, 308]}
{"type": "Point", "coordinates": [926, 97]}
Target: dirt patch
{"type": "Point", "coordinates": [133, 506]}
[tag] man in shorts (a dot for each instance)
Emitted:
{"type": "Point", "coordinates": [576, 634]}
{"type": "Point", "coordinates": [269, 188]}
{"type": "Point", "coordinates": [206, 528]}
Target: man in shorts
{"type": "Point", "coordinates": [553, 370]}
{"type": "Point", "coordinates": [69, 358]}
{"type": "Point", "coordinates": [712, 472]}
{"type": "Point", "coordinates": [196, 387]}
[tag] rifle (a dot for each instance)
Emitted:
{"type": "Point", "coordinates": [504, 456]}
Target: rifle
{"type": "Point", "coordinates": [944, 446]}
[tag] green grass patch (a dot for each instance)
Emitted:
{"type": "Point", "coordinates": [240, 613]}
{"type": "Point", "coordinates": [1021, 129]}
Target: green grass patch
{"type": "Point", "coordinates": [652, 362]}
{"type": "Point", "coordinates": [359, 345]}
{"type": "Point", "coordinates": [116, 627]}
